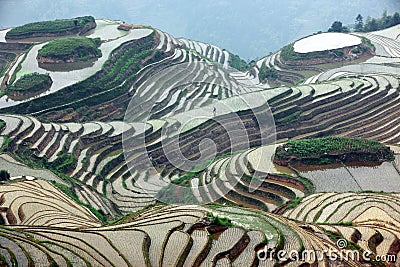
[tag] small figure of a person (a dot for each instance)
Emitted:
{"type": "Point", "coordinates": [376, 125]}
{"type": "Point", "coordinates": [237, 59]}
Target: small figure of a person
{"type": "Point", "coordinates": [215, 111]}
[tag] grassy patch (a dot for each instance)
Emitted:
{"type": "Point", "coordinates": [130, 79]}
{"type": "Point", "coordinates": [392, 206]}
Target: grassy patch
{"type": "Point", "coordinates": [51, 27]}
{"type": "Point", "coordinates": [222, 221]}
{"type": "Point", "coordinates": [75, 48]}
{"type": "Point", "coordinates": [32, 82]}
{"type": "Point", "coordinates": [6, 59]}
{"type": "Point", "coordinates": [6, 142]}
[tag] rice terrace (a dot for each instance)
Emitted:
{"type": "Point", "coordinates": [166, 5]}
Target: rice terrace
{"type": "Point", "coordinates": [123, 145]}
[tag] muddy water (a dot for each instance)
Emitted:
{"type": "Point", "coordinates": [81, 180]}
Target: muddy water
{"type": "Point", "coordinates": [352, 176]}
{"type": "Point", "coordinates": [383, 177]}
{"type": "Point", "coordinates": [308, 168]}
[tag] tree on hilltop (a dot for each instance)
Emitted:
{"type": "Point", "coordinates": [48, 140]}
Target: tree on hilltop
{"type": "Point", "coordinates": [359, 26]}
{"type": "Point", "coordinates": [337, 26]}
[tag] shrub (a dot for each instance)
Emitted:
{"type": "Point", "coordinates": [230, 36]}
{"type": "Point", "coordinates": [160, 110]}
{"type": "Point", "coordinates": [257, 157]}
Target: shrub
{"type": "Point", "coordinates": [267, 73]}
{"type": "Point", "coordinates": [4, 175]}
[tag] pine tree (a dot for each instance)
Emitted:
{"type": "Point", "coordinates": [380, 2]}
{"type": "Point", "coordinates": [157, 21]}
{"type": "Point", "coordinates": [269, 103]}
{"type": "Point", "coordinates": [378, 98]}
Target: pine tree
{"type": "Point", "coordinates": [359, 26]}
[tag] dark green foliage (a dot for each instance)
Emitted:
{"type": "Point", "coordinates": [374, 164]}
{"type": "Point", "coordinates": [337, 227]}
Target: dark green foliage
{"type": "Point", "coordinates": [6, 142]}
{"type": "Point", "coordinates": [76, 47]}
{"type": "Point", "coordinates": [5, 60]}
{"type": "Point", "coordinates": [237, 63]}
{"type": "Point", "coordinates": [4, 175]}
{"type": "Point", "coordinates": [222, 221]}
{"type": "Point", "coordinates": [52, 27]}
{"type": "Point", "coordinates": [337, 26]}
{"type": "Point", "coordinates": [288, 54]}
{"type": "Point", "coordinates": [359, 25]}
{"type": "Point", "coordinates": [371, 25]}
{"type": "Point", "coordinates": [319, 150]}
{"type": "Point", "coordinates": [267, 73]}
{"type": "Point", "coordinates": [376, 24]}
{"type": "Point", "coordinates": [32, 82]}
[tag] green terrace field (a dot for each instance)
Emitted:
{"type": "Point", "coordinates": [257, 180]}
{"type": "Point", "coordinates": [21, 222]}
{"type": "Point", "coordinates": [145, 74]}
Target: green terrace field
{"type": "Point", "coordinates": [52, 28]}
{"type": "Point", "coordinates": [70, 49]}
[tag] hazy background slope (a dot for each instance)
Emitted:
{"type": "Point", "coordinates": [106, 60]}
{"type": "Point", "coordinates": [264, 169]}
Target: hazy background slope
{"type": "Point", "coordinates": [249, 28]}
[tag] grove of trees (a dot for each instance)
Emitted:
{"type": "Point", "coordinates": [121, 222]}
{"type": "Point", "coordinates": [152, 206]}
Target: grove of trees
{"type": "Point", "coordinates": [370, 24]}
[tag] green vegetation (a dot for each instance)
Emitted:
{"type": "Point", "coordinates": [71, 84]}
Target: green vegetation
{"type": "Point", "coordinates": [372, 24]}
{"type": "Point", "coordinates": [4, 176]}
{"type": "Point", "coordinates": [237, 63]}
{"type": "Point", "coordinates": [294, 203]}
{"type": "Point", "coordinates": [222, 221]}
{"type": "Point", "coordinates": [288, 53]}
{"type": "Point", "coordinates": [67, 190]}
{"type": "Point", "coordinates": [267, 73]}
{"type": "Point", "coordinates": [7, 140]}
{"type": "Point", "coordinates": [2, 125]}
{"type": "Point", "coordinates": [53, 27]}
{"type": "Point", "coordinates": [337, 26]}
{"type": "Point", "coordinates": [114, 79]}
{"type": "Point", "coordinates": [329, 149]}
{"type": "Point", "coordinates": [71, 48]}
{"type": "Point", "coordinates": [5, 60]}
{"type": "Point", "coordinates": [32, 82]}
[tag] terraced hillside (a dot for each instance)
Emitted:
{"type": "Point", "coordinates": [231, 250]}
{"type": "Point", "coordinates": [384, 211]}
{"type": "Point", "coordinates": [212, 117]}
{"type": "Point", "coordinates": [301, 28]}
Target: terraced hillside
{"type": "Point", "coordinates": [159, 236]}
{"type": "Point", "coordinates": [95, 159]}
{"type": "Point", "coordinates": [371, 221]}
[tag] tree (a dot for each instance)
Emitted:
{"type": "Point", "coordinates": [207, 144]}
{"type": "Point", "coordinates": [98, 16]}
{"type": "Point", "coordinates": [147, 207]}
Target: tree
{"type": "Point", "coordinates": [4, 175]}
{"type": "Point", "coordinates": [359, 26]}
{"type": "Point", "coordinates": [337, 26]}
{"type": "Point", "coordinates": [371, 25]}
{"type": "Point", "coordinates": [395, 19]}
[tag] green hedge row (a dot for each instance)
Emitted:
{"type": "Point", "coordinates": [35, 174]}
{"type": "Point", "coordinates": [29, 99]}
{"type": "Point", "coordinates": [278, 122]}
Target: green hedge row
{"type": "Point", "coordinates": [52, 27]}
